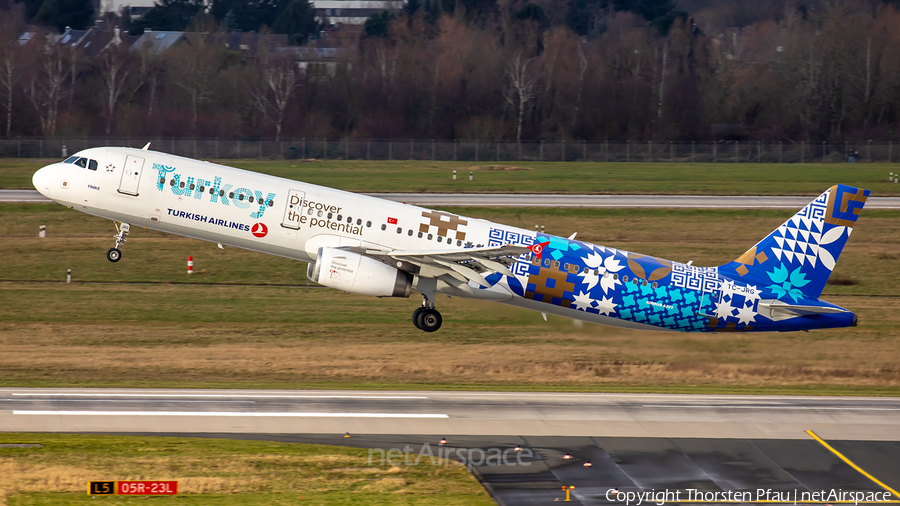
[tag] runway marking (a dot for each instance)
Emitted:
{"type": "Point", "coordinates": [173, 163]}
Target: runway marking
{"type": "Point", "coordinates": [850, 463]}
{"type": "Point", "coordinates": [231, 414]}
{"type": "Point", "coordinates": [716, 406]}
{"type": "Point", "coordinates": [230, 396]}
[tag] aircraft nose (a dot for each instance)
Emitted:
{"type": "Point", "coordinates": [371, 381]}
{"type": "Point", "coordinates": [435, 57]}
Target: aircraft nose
{"type": "Point", "coordinates": [42, 180]}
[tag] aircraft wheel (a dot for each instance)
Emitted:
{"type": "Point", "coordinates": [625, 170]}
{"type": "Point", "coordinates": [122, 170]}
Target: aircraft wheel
{"type": "Point", "coordinates": [113, 255]}
{"type": "Point", "coordinates": [415, 316]}
{"type": "Point", "coordinates": [429, 320]}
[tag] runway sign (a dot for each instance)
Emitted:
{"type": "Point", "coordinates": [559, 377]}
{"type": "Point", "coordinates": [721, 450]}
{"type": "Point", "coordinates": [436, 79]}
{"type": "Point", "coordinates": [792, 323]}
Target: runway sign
{"type": "Point", "coordinates": [132, 487]}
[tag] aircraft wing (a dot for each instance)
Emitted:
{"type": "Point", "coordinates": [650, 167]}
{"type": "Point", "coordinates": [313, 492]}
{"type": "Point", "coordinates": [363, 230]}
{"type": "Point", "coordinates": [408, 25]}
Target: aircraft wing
{"type": "Point", "coordinates": [456, 266]}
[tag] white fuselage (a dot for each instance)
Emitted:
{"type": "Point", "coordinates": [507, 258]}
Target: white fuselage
{"type": "Point", "coordinates": [212, 202]}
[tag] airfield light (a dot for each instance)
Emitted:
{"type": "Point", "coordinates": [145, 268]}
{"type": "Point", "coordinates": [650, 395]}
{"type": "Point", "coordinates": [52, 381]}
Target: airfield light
{"type": "Point", "coordinates": [443, 441]}
{"type": "Point", "coordinates": [518, 448]}
{"type": "Point", "coordinates": [567, 456]}
{"type": "Point", "coordinates": [587, 463]}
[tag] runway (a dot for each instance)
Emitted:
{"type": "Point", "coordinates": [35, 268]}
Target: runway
{"type": "Point", "coordinates": [558, 200]}
{"type": "Point", "coordinates": [633, 442]}
{"type": "Point", "coordinates": [436, 413]}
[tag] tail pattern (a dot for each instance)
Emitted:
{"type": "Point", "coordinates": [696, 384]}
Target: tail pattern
{"type": "Point", "coordinates": [797, 258]}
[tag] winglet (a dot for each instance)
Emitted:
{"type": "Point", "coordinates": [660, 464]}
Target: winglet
{"type": "Point", "coordinates": [146, 146]}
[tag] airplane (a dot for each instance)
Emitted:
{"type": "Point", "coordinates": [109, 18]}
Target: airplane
{"type": "Point", "coordinates": [370, 246]}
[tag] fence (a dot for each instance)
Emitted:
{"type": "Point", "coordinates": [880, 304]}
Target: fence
{"type": "Point", "coordinates": [469, 150]}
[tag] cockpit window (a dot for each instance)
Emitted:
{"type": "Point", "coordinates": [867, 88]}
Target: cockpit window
{"type": "Point", "coordinates": [81, 162]}
{"type": "Point", "coordinates": [70, 159]}
{"type": "Point", "coordinates": [92, 165]}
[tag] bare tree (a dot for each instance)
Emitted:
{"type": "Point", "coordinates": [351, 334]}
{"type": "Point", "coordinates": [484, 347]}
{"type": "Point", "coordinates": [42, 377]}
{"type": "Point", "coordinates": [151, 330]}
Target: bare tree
{"type": "Point", "coordinates": [115, 65]}
{"type": "Point", "coordinates": [45, 86]}
{"type": "Point", "coordinates": [149, 74]}
{"type": "Point", "coordinates": [582, 68]}
{"type": "Point", "coordinates": [195, 68]}
{"type": "Point", "coordinates": [521, 87]}
{"type": "Point", "coordinates": [9, 60]}
{"type": "Point", "coordinates": [278, 81]}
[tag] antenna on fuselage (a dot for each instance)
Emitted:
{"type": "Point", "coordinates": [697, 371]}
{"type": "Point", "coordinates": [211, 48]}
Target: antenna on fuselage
{"type": "Point", "coordinates": [146, 146]}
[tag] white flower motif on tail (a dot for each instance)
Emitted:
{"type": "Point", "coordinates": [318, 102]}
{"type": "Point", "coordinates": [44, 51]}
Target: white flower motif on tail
{"type": "Point", "coordinates": [827, 238]}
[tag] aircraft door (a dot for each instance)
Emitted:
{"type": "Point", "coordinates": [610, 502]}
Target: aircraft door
{"type": "Point", "coordinates": [131, 175]}
{"type": "Point", "coordinates": [293, 211]}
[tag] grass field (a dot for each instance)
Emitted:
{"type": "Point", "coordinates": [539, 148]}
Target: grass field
{"type": "Point", "coordinates": [222, 472]}
{"type": "Point", "coordinates": [551, 177]}
{"type": "Point", "coordinates": [213, 333]}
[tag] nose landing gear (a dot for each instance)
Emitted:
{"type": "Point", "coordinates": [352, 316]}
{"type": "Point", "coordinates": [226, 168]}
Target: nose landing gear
{"type": "Point", "coordinates": [426, 317]}
{"type": "Point", "coordinates": [115, 254]}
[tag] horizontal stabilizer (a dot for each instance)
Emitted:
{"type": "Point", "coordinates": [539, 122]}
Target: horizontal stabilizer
{"type": "Point", "coordinates": [777, 310]}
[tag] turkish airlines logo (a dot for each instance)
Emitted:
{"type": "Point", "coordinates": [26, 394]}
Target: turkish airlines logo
{"type": "Point", "coordinates": [538, 249]}
{"type": "Point", "coordinates": [259, 230]}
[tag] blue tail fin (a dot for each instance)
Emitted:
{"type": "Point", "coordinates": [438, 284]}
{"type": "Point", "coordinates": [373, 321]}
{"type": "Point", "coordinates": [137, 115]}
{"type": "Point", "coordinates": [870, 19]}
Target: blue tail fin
{"type": "Point", "coordinates": [797, 258]}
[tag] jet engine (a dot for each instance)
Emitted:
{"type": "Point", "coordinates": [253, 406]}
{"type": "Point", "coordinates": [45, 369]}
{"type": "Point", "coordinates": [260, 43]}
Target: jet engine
{"type": "Point", "coordinates": [352, 272]}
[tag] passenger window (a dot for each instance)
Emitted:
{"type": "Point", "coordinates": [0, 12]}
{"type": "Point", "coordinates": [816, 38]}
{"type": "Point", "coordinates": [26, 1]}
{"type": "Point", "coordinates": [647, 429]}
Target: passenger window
{"type": "Point", "coordinates": [92, 165]}
{"type": "Point", "coordinates": [181, 184]}
{"type": "Point", "coordinates": [329, 215]}
{"type": "Point", "coordinates": [271, 203]}
{"type": "Point", "coordinates": [81, 162]}
{"type": "Point", "coordinates": [420, 235]}
{"type": "Point", "coordinates": [71, 159]}
{"type": "Point", "coordinates": [458, 242]}
{"type": "Point", "coordinates": [359, 222]}
{"type": "Point", "coordinates": [440, 238]}
{"type": "Point", "coordinates": [319, 214]}
{"type": "Point", "coordinates": [430, 236]}
{"type": "Point", "coordinates": [162, 180]}
{"type": "Point", "coordinates": [192, 186]}
{"type": "Point", "coordinates": [368, 223]}
{"type": "Point", "coordinates": [624, 279]}
{"type": "Point", "coordinates": [399, 230]}
{"type": "Point", "coordinates": [383, 226]}
{"type": "Point", "coordinates": [644, 283]}
{"type": "Point", "coordinates": [340, 218]}
{"type": "Point", "coordinates": [654, 285]}
{"type": "Point", "coordinates": [230, 194]}
{"type": "Point", "coordinates": [616, 276]}
{"type": "Point", "coordinates": [556, 264]}
{"type": "Point", "coordinates": [410, 233]}
{"type": "Point", "coordinates": [566, 266]}
{"type": "Point", "coordinates": [202, 188]}
{"type": "Point", "coordinates": [546, 262]}
{"type": "Point", "coordinates": [241, 197]}
{"type": "Point", "coordinates": [221, 193]}
{"type": "Point", "coordinates": [212, 191]}
{"type": "Point", "coordinates": [172, 182]}
{"type": "Point", "coordinates": [309, 211]}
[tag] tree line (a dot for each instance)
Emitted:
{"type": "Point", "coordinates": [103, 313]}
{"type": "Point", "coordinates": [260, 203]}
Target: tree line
{"type": "Point", "coordinates": [486, 69]}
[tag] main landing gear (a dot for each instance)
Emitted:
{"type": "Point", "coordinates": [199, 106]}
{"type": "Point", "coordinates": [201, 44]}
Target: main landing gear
{"type": "Point", "coordinates": [115, 254]}
{"type": "Point", "coordinates": [426, 317]}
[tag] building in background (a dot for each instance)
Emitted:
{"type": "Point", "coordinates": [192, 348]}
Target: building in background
{"type": "Point", "coordinates": [353, 12]}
